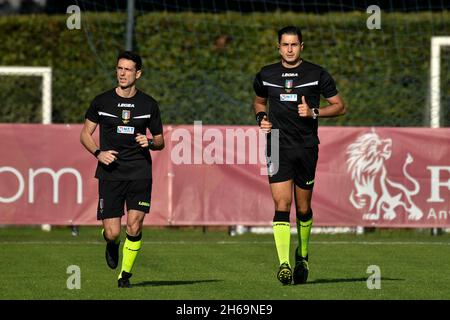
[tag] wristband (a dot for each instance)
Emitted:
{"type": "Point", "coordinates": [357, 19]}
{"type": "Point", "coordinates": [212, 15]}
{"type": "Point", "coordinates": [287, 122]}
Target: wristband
{"type": "Point", "coordinates": [97, 152]}
{"type": "Point", "coordinates": [315, 113]}
{"type": "Point", "coordinates": [150, 144]}
{"type": "Point", "coordinates": [260, 116]}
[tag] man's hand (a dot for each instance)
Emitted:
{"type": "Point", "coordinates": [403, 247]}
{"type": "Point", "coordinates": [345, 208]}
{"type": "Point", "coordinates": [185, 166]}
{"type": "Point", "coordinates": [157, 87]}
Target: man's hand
{"type": "Point", "coordinates": [303, 109]}
{"type": "Point", "coordinates": [107, 157]}
{"type": "Point", "coordinates": [266, 125]}
{"type": "Point", "coordinates": [142, 140]}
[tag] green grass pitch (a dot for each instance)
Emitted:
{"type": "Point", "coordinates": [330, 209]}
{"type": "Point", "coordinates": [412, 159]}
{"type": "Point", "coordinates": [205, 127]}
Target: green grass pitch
{"type": "Point", "coordinates": [189, 264]}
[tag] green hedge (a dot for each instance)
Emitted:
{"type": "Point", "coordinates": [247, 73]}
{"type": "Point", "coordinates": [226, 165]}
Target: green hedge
{"type": "Point", "coordinates": [383, 75]}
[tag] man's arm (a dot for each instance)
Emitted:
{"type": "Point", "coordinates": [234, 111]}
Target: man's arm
{"type": "Point", "coordinates": [86, 136]}
{"type": "Point", "coordinates": [156, 143]}
{"type": "Point", "coordinates": [259, 106]}
{"type": "Point", "coordinates": [335, 108]}
{"type": "Point", "coordinates": [105, 157]}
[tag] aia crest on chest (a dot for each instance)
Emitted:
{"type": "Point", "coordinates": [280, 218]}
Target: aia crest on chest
{"type": "Point", "coordinates": [288, 85]}
{"type": "Point", "coordinates": [126, 115]}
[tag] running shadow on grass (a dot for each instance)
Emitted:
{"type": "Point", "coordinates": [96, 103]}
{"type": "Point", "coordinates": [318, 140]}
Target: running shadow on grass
{"type": "Point", "coordinates": [171, 283]}
{"type": "Point", "coordinates": [319, 281]}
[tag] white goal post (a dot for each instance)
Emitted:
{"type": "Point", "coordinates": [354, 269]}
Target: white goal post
{"type": "Point", "coordinates": [435, 79]}
{"type": "Point", "coordinates": [46, 74]}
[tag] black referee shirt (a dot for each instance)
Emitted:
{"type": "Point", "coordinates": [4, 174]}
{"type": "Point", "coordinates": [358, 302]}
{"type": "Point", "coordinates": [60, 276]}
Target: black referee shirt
{"type": "Point", "coordinates": [120, 119]}
{"type": "Point", "coordinates": [284, 88]}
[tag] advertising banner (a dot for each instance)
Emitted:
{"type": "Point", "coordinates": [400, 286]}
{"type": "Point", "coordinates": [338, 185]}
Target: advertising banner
{"type": "Point", "coordinates": [217, 175]}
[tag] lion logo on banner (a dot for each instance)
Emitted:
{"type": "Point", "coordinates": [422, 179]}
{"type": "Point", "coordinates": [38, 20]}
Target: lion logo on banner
{"type": "Point", "coordinates": [373, 191]}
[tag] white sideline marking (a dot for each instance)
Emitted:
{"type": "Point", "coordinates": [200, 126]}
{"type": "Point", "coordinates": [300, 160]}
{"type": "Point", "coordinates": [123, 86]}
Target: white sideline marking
{"type": "Point", "coordinates": [232, 242]}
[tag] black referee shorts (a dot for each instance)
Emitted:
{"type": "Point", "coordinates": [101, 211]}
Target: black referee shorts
{"type": "Point", "coordinates": [298, 165]}
{"type": "Point", "coordinates": [114, 194]}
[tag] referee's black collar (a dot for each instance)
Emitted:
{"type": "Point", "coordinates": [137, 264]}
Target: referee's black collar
{"type": "Point", "coordinates": [294, 68]}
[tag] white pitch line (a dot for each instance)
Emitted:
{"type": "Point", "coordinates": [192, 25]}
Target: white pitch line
{"type": "Point", "coordinates": [383, 242]}
{"type": "Point", "coordinates": [229, 242]}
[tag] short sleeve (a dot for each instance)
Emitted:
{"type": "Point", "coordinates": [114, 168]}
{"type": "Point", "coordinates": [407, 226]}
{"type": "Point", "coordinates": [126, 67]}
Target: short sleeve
{"type": "Point", "coordinates": [327, 85]}
{"type": "Point", "coordinates": [259, 88]}
{"type": "Point", "coordinates": [155, 125]}
{"type": "Point", "coordinates": [92, 112]}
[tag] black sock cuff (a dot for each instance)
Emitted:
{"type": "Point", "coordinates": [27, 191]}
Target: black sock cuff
{"type": "Point", "coordinates": [134, 238]}
{"type": "Point", "coordinates": [281, 216]}
{"type": "Point", "coordinates": [305, 217]}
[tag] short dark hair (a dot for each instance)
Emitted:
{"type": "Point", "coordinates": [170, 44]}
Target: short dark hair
{"type": "Point", "coordinates": [290, 30]}
{"type": "Point", "coordinates": [133, 56]}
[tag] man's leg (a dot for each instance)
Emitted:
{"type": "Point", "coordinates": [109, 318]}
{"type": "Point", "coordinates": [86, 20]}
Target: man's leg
{"type": "Point", "coordinates": [304, 225]}
{"type": "Point", "coordinates": [131, 246]}
{"type": "Point", "coordinates": [304, 218]}
{"type": "Point", "coordinates": [109, 211]}
{"type": "Point", "coordinates": [282, 196]}
{"type": "Point", "coordinates": [111, 234]}
{"type": "Point", "coordinates": [111, 229]}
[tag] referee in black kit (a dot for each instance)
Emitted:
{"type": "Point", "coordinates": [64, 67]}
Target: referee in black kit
{"type": "Point", "coordinates": [293, 88]}
{"type": "Point", "coordinates": [124, 169]}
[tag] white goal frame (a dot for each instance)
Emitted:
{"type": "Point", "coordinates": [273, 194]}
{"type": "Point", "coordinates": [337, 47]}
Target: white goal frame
{"type": "Point", "coordinates": [46, 74]}
{"type": "Point", "coordinates": [435, 79]}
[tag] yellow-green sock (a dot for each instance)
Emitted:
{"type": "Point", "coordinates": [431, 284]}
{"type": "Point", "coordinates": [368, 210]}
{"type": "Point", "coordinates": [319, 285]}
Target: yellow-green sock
{"type": "Point", "coordinates": [304, 225]}
{"type": "Point", "coordinates": [131, 248]}
{"type": "Point", "coordinates": [282, 235]}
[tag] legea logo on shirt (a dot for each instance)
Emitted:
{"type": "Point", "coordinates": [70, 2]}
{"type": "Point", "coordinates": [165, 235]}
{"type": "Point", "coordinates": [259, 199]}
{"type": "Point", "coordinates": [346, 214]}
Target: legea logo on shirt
{"type": "Point", "coordinates": [125, 130]}
{"type": "Point", "coordinates": [125, 105]}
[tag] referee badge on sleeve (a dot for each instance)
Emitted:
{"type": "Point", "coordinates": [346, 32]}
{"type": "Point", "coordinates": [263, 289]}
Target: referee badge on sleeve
{"type": "Point", "coordinates": [101, 205]}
